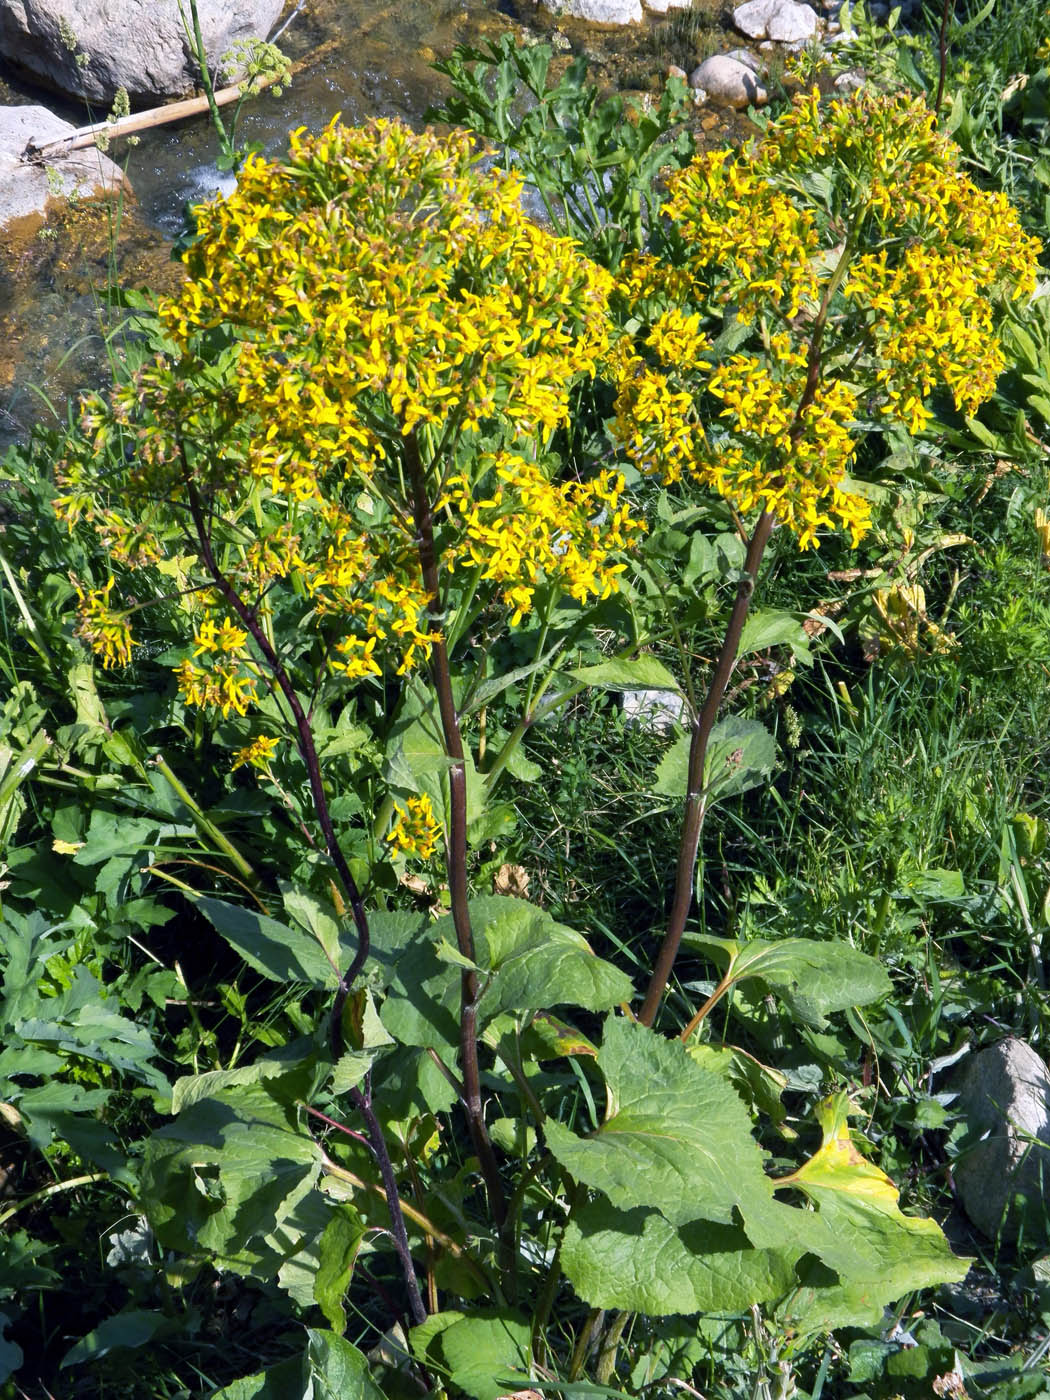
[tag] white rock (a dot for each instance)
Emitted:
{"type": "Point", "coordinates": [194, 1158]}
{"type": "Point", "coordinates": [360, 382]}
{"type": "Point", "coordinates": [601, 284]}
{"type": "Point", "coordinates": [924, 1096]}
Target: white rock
{"type": "Point", "coordinates": [660, 7]}
{"type": "Point", "coordinates": [139, 45]}
{"type": "Point", "coordinates": [728, 81]}
{"type": "Point", "coordinates": [27, 189]}
{"type": "Point", "coordinates": [598, 11]}
{"type": "Point", "coordinates": [1004, 1099]}
{"type": "Point", "coordinates": [659, 710]}
{"type": "Point", "coordinates": [782, 20]}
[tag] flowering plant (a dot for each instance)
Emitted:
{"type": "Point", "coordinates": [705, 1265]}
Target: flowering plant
{"type": "Point", "coordinates": [346, 470]}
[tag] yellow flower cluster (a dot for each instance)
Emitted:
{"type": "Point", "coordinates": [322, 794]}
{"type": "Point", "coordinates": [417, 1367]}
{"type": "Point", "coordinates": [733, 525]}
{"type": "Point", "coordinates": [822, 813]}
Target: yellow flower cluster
{"type": "Point", "coordinates": [528, 530]}
{"type": "Point", "coordinates": [377, 272]}
{"type": "Point", "coordinates": [105, 628]}
{"type": "Point", "coordinates": [258, 753]}
{"type": "Point", "coordinates": [771, 237]}
{"type": "Point", "coordinates": [415, 831]}
{"type": "Point", "coordinates": [375, 286]}
{"type": "Point", "coordinates": [731, 217]}
{"type": "Point", "coordinates": [763, 409]}
{"type": "Point", "coordinates": [947, 335]}
{"type": "Point", "coordinates": [225, 686]}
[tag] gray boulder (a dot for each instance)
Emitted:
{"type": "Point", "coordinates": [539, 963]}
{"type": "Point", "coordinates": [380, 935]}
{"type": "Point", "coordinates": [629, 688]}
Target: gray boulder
{"type": "Point", "coordinates": [597, 11]}
{"type": "Point", "coordinates": [728, 81]}
{"type": "Point", "coordinates": [1004, 1098]}
{"type": "Point", "coordinates": [90, 48]}
{"type": "Point", "coordinates": [782, 20]}
{"type": "Point", "coordinates": [27, 189]}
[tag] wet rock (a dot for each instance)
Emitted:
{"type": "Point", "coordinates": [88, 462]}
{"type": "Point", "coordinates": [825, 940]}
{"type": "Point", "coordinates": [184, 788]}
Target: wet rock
{"type": "Point", "coordinates": [27, 189]}
{"type": "Point", "coordinates": [598, 11]}
{"type": "Point", "coordinates": [1004, 1098]}
{"type": "Point", "coordinates": [782, 20]}
{"type": "Point", "coordinates": [90, 49]}
{"type": "Point", "coordinates": [728, 81]}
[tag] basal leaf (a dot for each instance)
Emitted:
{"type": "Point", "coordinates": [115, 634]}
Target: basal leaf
{"type": "Point", "coordinates": [487, 1354]}
{"type": "Point", "coordinates": [638, 1261]}
{"type": "Point", "coordinates": [132, 1328]}
{"type": "Point", "coordinates": [276, 951]}
{"type": "Point", "coordinates": [878, 1252]}
{"type": "Point", "coordinates": [338, 1370]}
{"type": "Point", "coordinates": [228, 1170]}
{"type": "Point", "coordinates": [675, 1136]}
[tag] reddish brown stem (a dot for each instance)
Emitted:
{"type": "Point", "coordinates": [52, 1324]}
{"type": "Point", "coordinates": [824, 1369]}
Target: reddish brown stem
{"type": "Point", "coordinates": [456, 849]}
{"type": "Point", "coordinates": [693, 816]}
{"type": "Point", "coordinates": [308, 750]}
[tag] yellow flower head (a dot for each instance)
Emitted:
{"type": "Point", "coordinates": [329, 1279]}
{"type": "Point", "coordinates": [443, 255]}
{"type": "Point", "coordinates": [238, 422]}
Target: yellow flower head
{"type": "Point", "coordinates": [415, 832]}
{"type": "Point", "coordinates": [105, 628]}
{"type": "Point", "coordinates": [258, 753]}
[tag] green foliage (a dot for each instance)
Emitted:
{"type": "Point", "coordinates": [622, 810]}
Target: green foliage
{"type": "Point", "coordinates": [467, 1150]}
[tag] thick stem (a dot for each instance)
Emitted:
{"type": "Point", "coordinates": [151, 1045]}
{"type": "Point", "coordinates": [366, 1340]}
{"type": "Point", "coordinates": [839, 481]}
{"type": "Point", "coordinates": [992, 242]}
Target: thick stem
{"type": "Point", "coordinates": [693, 817]}
{"type": "Point", "coordinates": [695, 804]}
{"type": "Point", "coordinates": [457, 838]}
{"type": "Point", "coordinates": [307, 749]}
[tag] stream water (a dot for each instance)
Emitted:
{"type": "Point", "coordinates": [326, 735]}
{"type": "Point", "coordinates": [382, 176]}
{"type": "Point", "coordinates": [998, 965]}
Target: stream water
{"type": "Point", "coordinates": [359, 59]}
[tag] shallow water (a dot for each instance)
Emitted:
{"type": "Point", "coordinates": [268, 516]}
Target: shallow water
{"type": "Point", "coordinates": [358, 59]}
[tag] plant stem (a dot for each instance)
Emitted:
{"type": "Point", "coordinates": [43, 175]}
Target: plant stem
{"type": "Point", "coordinates": [206, 825]}
{"type": "Point", "coordinates": [201, 55]}
{"type": "Point", "coordinates": [47, 1191]}
{"type": "Point", "coordinates": [695, 806]}
{"type": "Point", "coordinates": [393, 1201]}
{"type": "Point", "coordinates": [695, 803]}
{"type": "Point", "coordinates": [456, 849]}
{"type": "Point", "coordinates": [307, 749]}
{"type": "Point", "coordinates": [942, 54]}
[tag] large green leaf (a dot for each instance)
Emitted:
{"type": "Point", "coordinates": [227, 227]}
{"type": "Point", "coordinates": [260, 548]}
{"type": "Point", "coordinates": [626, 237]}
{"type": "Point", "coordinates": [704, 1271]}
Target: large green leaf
{"type": "Point", "coordinates": [537, 963]}
{"type": "Point", "coordinates": [878, 1252]}
{"type": "Point", "coordinates": [643, 673]}
{"type": "Point", "coordinates": [226, 1173]}
{"type": "Point", "coordinates": [638, 1261]}
{"type": "Point", "coordinates": [675, 1136]}
{"type": "Point", "coordinates": [330, 1369]}
{"type": "Point", "coordinates": [741, 754]}
{"type": "Point", "coordinates": [528, 961]}
{"type": "Point", "coordinates": [812, 978]}
{"type": "Point", "coordinates": [487, 1354]}
{"type": "Point", "coordinates": [276, 951]}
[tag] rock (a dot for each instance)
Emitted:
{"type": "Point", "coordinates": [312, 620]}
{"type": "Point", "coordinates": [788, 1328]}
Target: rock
{"type": "Point", "coordinates": [745, 56]}
{"type": "Point", "coordinates": [673, 71]}
{"type": "Point", "coordinates": [660, 7]}
{"type": "Point", "coordinates": [1004, 1099]}
{"type": "Point", "coordinates": [90, 48]}
{"type": "Point", "coordinates": [597, 11]}
{"type": "Point", "coordinates": [728, 81]}
{"type": "Point", "coordinates": [782, 20]}
{"type": "Point", "coordinates": [27, 189]}
{"type": "Point", "coordinates": [657, 710]}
